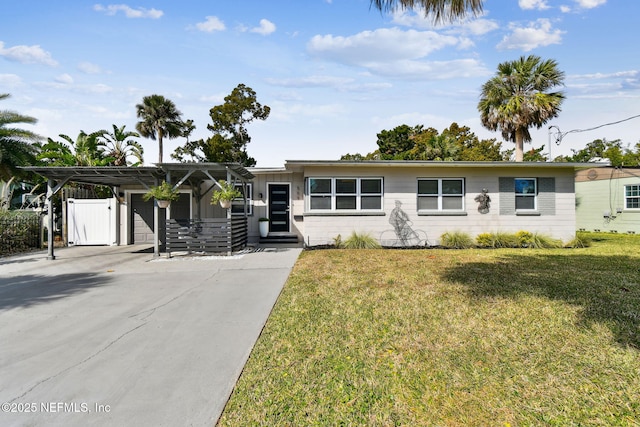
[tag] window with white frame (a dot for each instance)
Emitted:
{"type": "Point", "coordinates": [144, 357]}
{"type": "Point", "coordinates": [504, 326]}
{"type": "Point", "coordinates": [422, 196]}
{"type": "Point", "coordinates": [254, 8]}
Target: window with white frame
{"type": "Point", "coordinates": [345, 194]}
{"type": "Point", "coordinates": [632, 196]}
{"type": "Point", "coordinates": [526, 191]}
{"type": "Point", "coordinates": [237, 204]}
{"type": "Point", "coordinates": [440, 194]}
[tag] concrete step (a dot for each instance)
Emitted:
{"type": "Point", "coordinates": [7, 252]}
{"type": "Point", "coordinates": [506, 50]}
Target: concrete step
{"type": "Point", "coordinates": [280, 238]}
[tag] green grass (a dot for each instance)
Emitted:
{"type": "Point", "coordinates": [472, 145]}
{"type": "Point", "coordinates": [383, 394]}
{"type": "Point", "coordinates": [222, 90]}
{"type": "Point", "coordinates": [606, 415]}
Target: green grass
{"type": "Point", "coordinates": [436, 337]}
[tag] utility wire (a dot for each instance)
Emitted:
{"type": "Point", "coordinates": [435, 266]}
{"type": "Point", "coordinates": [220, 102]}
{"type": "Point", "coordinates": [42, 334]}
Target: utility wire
{"type": "Point", "coordinates": [560, 135]}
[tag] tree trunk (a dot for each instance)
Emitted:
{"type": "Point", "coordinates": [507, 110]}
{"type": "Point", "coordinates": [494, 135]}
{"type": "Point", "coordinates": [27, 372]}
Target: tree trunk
{"type": "Point", "coordinates": [160, 145]}
{"type": "Point", "coordinates": [519, 146]}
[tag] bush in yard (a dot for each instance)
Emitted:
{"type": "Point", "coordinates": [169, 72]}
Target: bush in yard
{"type": "Point", "coordinates": [580, 241]}
{"type": "Point", "coordinates": [507, 240]}
{"type": "Point", "coordinates": [541, 241]}
{"type": "Point", "coordinates": [524, 238]}
{"type": "Point", "coordinates": [19, 231]}
{"type": "Point", "coordinates": [457, 240]}
{"type": "Point", "coordinates": [497, 240]}
{"type": "Point", "coordinates": [360, 241]}
{"type": "Point", "coordinates": [485, 240]}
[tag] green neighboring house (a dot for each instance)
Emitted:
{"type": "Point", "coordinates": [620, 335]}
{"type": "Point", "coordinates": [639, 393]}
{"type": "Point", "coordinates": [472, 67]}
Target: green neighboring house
{"type": "Point", "coordinates": [608, 199]}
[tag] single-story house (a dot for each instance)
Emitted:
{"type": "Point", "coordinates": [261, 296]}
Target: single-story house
{"type": "Point", "coordinates": [408, 203]}
{"type": "Point", "coordinates": [608, 199]}
{"type": "Point", "coordinates": [400, 203]}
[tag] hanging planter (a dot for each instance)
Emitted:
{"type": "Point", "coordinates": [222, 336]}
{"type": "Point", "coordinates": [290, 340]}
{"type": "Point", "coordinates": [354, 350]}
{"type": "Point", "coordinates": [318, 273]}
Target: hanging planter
{"type": "Point", "coordinates": [163, 193]}
{"type": "Point", "coordinates": [225, 194]}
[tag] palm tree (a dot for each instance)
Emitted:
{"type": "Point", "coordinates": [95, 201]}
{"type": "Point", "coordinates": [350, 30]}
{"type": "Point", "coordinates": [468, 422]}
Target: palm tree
{"type": "Point", "coordinates": [441, 10]}
{"type": "Point", "coordinates": [119, 145]}
{"type": "Point", "coordinates": [84, 151]}
{"type": "Point", "coordinates": [519, 97]}
{"type": "Point", "coordinates": [16, 148]}
{"type": "Point", "coordinates": [160, 118]}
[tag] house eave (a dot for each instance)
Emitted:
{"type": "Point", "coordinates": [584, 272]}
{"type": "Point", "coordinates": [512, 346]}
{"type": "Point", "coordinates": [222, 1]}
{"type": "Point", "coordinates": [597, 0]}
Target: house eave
{"type": "Point", "coordinates": [297, 165]}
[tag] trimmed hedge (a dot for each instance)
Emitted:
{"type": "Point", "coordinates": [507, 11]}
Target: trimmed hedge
{"type": "Point", "coordinates": [19, 232]}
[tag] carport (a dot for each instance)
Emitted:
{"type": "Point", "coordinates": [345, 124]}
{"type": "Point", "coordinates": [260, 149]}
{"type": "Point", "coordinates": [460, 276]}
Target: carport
{"type": "Point", "coordinates": [193, 174]}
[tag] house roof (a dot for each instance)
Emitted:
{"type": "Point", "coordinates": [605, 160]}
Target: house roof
{"type": "Point", "coordinates": [145, 175]}
{"type": "Point", "coordinates": [101, 175]}
{"type": "Point", "coordinates": [298, 165]}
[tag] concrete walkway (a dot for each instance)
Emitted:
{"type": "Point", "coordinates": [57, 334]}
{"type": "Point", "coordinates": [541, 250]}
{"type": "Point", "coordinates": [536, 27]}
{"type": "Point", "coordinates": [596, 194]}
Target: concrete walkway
{"type": "Point", "coordinates": [103, 336]}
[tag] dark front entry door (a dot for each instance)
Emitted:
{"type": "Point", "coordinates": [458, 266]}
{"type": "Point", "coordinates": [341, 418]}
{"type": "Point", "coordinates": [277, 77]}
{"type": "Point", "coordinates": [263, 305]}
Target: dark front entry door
{"type": "Point", "coordinates": [279, 208]}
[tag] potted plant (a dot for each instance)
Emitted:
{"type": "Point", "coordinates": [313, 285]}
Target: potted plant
{"type": "Point", "coordinates": [163, 193]}
{"type": "Point", "coordinates": [264, 227]}
{"type": "Point", "coordinates": [225, 194]}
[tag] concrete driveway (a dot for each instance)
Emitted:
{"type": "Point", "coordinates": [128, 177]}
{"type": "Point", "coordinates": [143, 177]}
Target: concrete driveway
{"type": "Point", "coordinates": [103, 336]}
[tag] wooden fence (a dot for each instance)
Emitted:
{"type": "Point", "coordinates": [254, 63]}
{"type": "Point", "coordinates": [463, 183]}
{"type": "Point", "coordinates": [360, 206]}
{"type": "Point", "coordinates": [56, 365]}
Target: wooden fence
{"type": "Point", "coordinates": [209, 235]}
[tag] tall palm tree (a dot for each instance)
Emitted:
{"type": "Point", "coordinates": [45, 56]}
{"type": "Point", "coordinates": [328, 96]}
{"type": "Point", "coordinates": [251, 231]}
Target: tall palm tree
{"type": "Point", "coordinates": [84, 151]}
{"type": "Point", "coordinates": [16, 148]}
{"type": "Point", "coordinates": [159, 118]}
{"type": "Point", "coordinates": [441, 10]}
{"type": "Point", "coordinates": [119, 146]}
{"type": "Point", "coordinates": [520, 96]}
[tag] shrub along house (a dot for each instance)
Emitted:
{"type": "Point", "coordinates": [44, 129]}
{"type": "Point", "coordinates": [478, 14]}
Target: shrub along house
{"type": "Point", "coordinates": [407, 203]}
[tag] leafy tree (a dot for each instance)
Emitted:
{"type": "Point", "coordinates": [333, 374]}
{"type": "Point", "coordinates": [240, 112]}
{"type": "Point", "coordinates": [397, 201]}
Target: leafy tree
{"type": "Point", "coordinates": [159, 118]}
{"type": "Point", "coordinates": [357, 157]}
{"type": "Point", "coordinates": [229, 127]}
{"type": "Point", "coordinates": [396, 143]}
{"type": "Point", "coordinates": [120, 145]}
{"type": "Point", "coordinates": [431, 146]}
{"type": "Point", "coordinates": [84, 151]}
{"type": "Point", "coordinates": [441, 10]}
{"type": "Point", "coordinates": [614, 151]}
{"type": "Point", "coordinates": [520, 96]}
{"type": "Point", "coordinates": [456, 143]}
{"type": "Point", "coordinates": [16, 145]}
{"type": "Point", "coordinates": [535, 155]}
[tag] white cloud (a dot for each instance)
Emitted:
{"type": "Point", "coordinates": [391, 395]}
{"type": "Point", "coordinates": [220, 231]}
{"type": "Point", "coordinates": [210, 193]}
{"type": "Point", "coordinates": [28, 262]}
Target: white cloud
{"type": "Point", "coordinates": [89, 68]}
{"type": "Point", "coordinates": [64, 79]}
{"type": "Point", "coordinates": [590, 4]}
{"type": "Point", "coordinates": [128, 11]}
{"type": "Point", "coordinates": [211, 24]}
{"type": "Point", "coordinates": [27, 55]}
{"type": "Point", "coordinates": [396, 53]}
{"type": "Point", "coordinates": [533, 4]}
{"type": "Point", "coordinates": [417, 19]}
{"type": "Point", "coordinates": [538, 33]}
{"type": "Point", "coordinates": [606, 83]}
{"type": "Point", "coordinates": [597, 76]}
{"type": "Point", "coordinates": [266, 27]}
{"type": "Point", "coordinates": [382, 45]}
{"type": "Point", "coordinates": [10, 80]}
{"type": "Point", "coordinates": [582, 4]}
{"type": "Point", "coordinates": [430, 70]}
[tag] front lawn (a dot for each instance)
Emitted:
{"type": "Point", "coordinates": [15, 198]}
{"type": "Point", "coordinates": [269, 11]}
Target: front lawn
{"type": "Point", "coordinates": [476, 337]}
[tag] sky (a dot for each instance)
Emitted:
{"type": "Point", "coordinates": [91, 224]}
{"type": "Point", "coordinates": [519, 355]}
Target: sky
{"type": "Point", "coordinates": [334, 72]}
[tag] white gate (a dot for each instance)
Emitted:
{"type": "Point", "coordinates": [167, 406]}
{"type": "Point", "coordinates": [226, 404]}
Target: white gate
{"type": "Point", "coordinates": [91, 222]}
